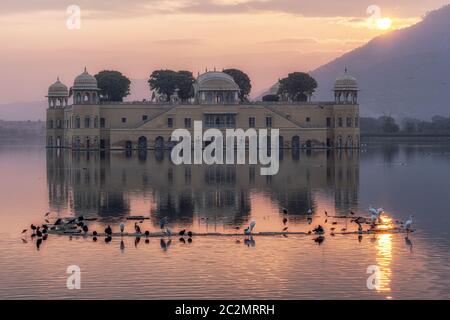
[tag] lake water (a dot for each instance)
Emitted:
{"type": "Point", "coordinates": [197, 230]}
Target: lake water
{"type": "Point", "coordinates": [404, 179]}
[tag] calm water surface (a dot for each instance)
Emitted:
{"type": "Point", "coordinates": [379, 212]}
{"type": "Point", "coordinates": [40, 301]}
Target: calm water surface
{"type": "Point", "coordinates": [403, 179]}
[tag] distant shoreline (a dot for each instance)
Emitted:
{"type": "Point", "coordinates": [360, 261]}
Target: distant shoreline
{"type": "Point", "coordinates": [409, 138]}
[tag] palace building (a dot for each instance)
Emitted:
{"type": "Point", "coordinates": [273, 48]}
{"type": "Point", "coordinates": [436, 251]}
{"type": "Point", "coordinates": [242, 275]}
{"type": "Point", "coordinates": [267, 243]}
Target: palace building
{"type": "Point", "coordinates": [91, 124]}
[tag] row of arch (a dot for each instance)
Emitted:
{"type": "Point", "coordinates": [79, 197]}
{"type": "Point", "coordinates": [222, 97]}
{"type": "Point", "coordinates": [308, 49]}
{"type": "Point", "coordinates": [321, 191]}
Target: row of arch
{"type": "Point", "coordinates": [86, 97]}
{"type": "Point", "coordinates": [295, 143]}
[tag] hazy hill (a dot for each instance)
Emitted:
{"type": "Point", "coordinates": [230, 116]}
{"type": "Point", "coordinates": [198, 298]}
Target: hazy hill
{"type": "Point", "coordinates": [35, 110]}
{"type": "Point", "coordinates": [403, 73]}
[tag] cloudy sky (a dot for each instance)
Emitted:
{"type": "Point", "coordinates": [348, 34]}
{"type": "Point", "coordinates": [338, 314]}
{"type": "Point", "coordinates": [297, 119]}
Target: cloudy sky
{"type": "Point", "coordinates": [265, 38]}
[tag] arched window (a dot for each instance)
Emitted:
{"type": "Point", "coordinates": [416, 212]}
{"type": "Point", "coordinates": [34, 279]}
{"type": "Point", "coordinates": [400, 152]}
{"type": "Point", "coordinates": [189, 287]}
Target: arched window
{"type": "Point", "coordinates": [295, 142]}
{"type": "Point", "coordinates": [142, 142]}
{"type": "Point", "coordinates": [159, 142]}
{"type": "Point", "coordinates": [281, 142]}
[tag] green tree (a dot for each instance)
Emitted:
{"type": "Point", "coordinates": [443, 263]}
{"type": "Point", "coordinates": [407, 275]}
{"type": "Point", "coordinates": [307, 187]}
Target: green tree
{"type": "Point", "coordinates": [242, 80]}
{"type": "Point", "coordinates": [388, 124]}
{"type": "Point", "coordinates": [271, 97]}
{"type": "Point", "coordinates": [163, 81]}
{"type": "Point", "coordinates": [167, 81]}
{"type": "Point", "coordinates": [184, 81]}
{"type": "Point", "coordinates": [114, 85]}
{"type": "Point", "coordinates": [297, 86]}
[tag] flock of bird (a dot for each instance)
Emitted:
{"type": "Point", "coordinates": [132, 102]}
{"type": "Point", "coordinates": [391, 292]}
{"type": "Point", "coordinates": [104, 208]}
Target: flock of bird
{"type": "Point", "coordinates": [80, 225]}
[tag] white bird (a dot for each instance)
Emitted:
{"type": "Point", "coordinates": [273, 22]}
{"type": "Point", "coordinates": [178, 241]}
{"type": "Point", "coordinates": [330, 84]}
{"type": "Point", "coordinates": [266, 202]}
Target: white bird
{"type": "Point", "coordinates": [249, 229]}
{"type": "Point", "coordinates": [375, 213]}
{"type": "Point", "coordinates": [309, 212]}
{"type": "Point", "coordinates": [122, 227]}
{"type": "Point", "coordinates": [408, 223]}
{"type": "Point", "coordinates": [169, 232]}
{"type": "Point", "coordinates": [373, 217]}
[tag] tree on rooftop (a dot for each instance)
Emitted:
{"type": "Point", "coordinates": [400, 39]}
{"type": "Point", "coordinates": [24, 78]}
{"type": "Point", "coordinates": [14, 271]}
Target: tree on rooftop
{"type": "Point", "coordinates": [242, 80]}
{"type": "Point", "coordinates": [114, 85]}
{"type": "Point", "coordinates": [297, 86]}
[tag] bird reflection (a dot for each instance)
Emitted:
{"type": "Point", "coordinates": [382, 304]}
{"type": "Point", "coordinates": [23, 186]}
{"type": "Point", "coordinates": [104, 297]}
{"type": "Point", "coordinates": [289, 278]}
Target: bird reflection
{"type": "Point", "coordinates": [122, 246]}
{"type": "Point", "coordinates": [165, 245]}
{"type": "Point", "coordinates": [136, 241]}
{"type": "Point", "coordinates": [250, 242]}
{"type": "Point", "coordinates": [38, 243]}
{"type": "Point", "coordinates": [319, 240]}
{"type": "Point", "coordinates": [409, 243]}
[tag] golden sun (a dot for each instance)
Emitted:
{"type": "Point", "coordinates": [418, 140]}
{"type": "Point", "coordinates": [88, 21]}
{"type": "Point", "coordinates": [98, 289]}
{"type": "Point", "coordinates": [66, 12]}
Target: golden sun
{"type": "Point", "coordinates": [384, 23]}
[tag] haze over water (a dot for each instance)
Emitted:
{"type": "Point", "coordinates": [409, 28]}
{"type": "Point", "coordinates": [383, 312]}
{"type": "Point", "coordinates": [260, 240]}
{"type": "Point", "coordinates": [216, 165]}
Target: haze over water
{"type": "Point", "coordinates": [403, 179]}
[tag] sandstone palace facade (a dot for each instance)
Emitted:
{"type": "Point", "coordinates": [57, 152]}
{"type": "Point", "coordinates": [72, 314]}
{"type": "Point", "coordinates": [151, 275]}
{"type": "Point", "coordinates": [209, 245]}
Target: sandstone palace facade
{"type": "Point", "coordinates": [89, 124]}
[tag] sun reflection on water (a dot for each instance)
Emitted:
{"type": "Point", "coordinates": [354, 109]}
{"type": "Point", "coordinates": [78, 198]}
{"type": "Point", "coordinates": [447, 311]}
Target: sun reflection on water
{"type": "Point", "coordinates": [384, 259]}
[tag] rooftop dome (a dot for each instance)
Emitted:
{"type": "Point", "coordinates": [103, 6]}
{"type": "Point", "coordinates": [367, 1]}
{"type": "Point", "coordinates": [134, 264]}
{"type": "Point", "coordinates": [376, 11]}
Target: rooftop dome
{"type": "Point", "coordinates": [58, 89]}
{"type": "Point", "coordinates": [85, 82]}
{"type": "Point", "coordinates": [215, 81]}
{"type": "Point", "coordinates": [346, 82]}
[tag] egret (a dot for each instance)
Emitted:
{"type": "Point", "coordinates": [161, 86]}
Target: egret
{"type": "Point", "coordinates": [168, 232]}
{"type": "Point", "coordinates": [408, 223]}
{"type": "Point", "coordinates": [249, 229]}
{"type": "Point", "coordinates": [122, 227]}
{"type": "Point", "coordinates": [309, 212]}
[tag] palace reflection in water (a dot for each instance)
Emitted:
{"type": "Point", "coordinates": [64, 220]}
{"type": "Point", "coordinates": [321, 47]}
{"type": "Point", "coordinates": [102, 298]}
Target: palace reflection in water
{"type": "Point", "coordinates": [404, 179]}
{"type": "Point", "coordinates": [105, 184]}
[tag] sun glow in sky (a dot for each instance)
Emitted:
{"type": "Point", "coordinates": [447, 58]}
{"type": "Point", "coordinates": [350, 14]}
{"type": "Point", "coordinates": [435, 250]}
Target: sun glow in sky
{"type": "Point", "coordinates": [265, 38]}
{"type": "Point", "coordinates": [384, 23]}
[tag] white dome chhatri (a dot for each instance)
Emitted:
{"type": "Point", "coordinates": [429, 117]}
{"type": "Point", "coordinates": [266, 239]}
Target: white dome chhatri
{"type": "Point", "coordinates": [58, 89]}
{"type": "Point", "coordinates": [346, 82]}
{"type": "Point", "coordinates": [215, 80]}
{"type": "Point", "coordinates": [85, 81]}
{"type": "Point", "coordinates": [58, 95]}
{"type": "Point", "coordinates": [214, 87]}
{"type": "Point", "coordinates": [346, 89]}
{"type": "Point", "coordinates": [85, 89]}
